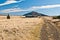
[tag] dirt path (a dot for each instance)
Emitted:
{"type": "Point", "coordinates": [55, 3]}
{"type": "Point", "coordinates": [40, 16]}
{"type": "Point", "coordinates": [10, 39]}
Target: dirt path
{"type": "Point", "coordinates": [49, 31]}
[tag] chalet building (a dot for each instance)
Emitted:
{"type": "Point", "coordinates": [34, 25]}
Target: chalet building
{"type": "Point", "coordinates": [33, 14]}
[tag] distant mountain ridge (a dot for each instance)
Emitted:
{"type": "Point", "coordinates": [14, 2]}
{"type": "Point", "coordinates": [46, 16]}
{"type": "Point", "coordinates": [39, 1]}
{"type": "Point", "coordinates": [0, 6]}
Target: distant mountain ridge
{"type": "Point", "coordinates": [2, 15]}
{"type": "Point", "coordinates": [33, 13]}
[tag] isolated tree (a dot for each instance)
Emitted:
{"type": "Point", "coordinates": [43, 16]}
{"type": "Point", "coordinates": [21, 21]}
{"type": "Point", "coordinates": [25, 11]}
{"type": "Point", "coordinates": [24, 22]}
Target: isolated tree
{"type": "Point", "coordinates": [8, 16]}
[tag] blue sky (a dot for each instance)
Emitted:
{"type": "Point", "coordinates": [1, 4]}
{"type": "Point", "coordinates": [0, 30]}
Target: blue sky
{"type": "Point", "coordinates": [20, 7]}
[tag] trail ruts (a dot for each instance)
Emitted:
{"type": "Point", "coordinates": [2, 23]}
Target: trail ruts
{"type": "Point", "coordinates": [49, 31]}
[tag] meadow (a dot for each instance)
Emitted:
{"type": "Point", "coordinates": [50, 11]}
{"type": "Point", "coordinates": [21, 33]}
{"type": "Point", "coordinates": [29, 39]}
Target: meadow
{"type": "Point", "coordinates": [21, 28]}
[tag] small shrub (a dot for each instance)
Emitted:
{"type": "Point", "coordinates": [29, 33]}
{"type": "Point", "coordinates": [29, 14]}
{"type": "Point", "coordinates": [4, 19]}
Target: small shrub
{"type": "Point", "coordinates": [54, 17]}
{"type": "Point", "coordinates": [8, 16]}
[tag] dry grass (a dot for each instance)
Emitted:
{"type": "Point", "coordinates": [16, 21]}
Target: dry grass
{"type": "Point", "coordinates": [18, 28]}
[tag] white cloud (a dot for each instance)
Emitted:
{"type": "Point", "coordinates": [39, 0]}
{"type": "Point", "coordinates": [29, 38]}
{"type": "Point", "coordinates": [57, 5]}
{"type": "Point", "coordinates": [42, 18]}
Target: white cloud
{"type": "Point", "coordinates": [43, 7]}
{"type": "Point", "coordinates": [12, 10]}
{"type": "Point", "coordinates": [47, 6]}
{"type": "Point", "coordinates": [29, 9]}
{"type": "Point", "coordinates": [10, 2]}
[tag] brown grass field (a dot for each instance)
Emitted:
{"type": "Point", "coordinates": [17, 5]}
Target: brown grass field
{"type": "Point", "coordinates": [18, 28]}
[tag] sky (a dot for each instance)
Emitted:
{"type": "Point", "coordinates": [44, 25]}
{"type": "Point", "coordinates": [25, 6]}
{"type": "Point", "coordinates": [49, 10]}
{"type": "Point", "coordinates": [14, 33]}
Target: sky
{"type": "Point", "coordinates": [20, 7]}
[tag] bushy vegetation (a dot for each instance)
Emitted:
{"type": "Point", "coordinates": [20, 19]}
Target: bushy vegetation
{"type": "Point", "coordinates": [56, 17]}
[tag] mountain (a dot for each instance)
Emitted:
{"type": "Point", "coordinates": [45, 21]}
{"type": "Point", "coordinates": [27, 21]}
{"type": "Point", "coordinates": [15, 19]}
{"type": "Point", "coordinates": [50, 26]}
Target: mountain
{"type": "Point", "coordinates": [2, 15]}
{"type": "Point", "coordinates": [34, 14]}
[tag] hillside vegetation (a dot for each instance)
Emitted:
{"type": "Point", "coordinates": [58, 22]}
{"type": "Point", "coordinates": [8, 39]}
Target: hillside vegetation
{"type": "Point", "coordinates": [56, 17]}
